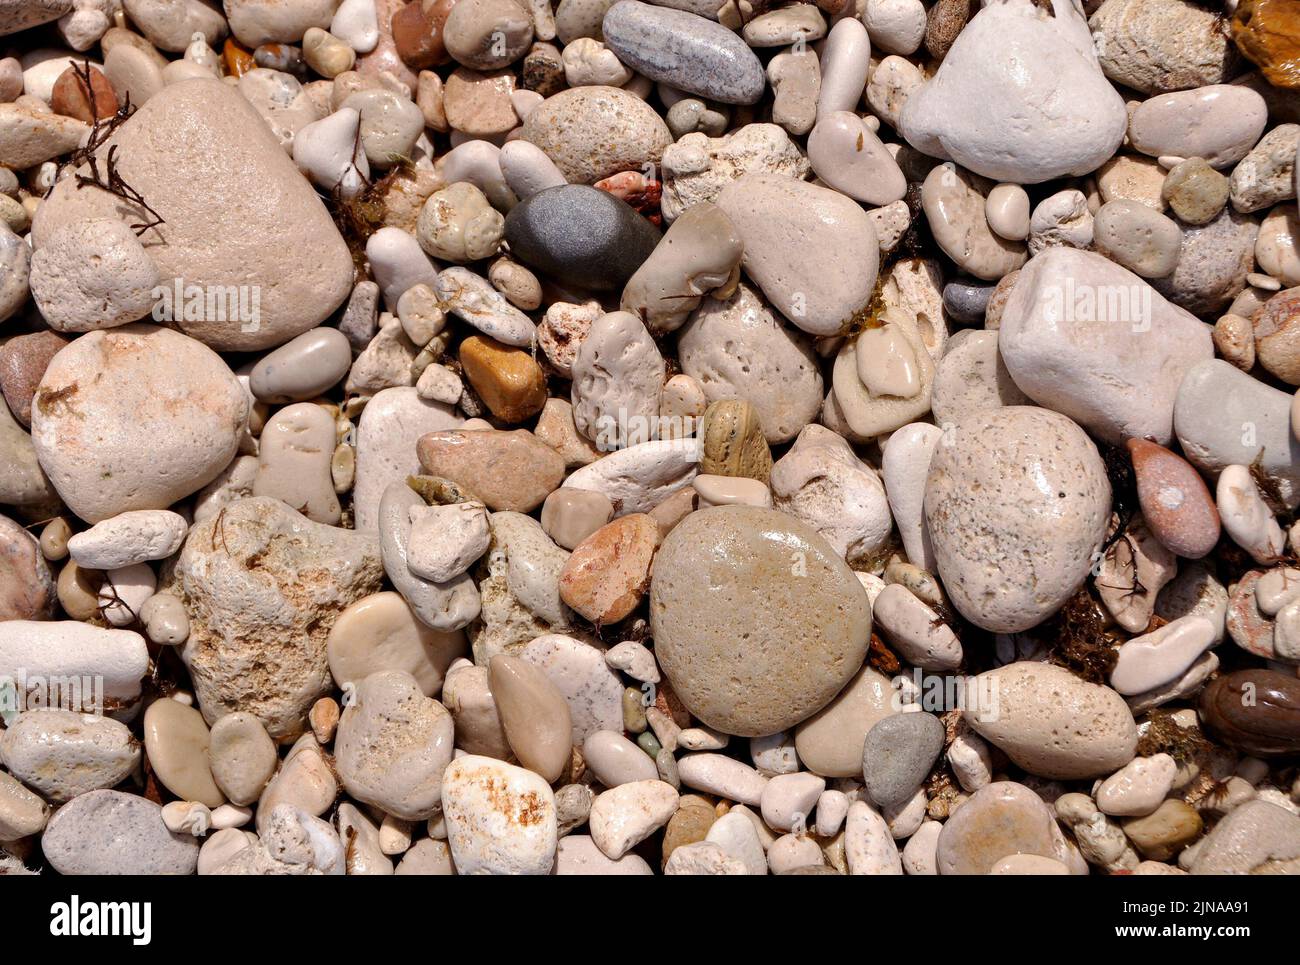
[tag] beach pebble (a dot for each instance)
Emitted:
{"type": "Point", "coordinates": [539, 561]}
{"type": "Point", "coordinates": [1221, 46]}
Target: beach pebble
{"type": "Point", "coordinates": [109, 832]}
{"type": "Point", "coordinates": [626, 815]}
{"type": "Point", "coordinates": [1005, 51]}
{"type": "Point", "coordinates": [294, 461]}
{"type": "Point", "coordinates": [593, 690]}
{"type": "Point", "coordinates": [814, 286]}
{"type": "Point", "coordinates": [534, 715]}
{"type": "Point", "coordinates": [62, 754]}
{"type": "Point", "coordinates": [954, 208]}
{"type": "Point", "coordinates": [500, 818]}
{"type": "Point", "coordinates": [511, 471]}
{"type": "Point", "coordinates": [446, 540]}
{"type": "Point", "coordinates": [303, 368]}
{"type": "Point", "coordinates": [590, 133]}
{"type": "Point", "coordinates": [724, 776]}
{"type": "Point", "coordinates": [1219, 123]}
{"type": "Point", "coordinates": [1115, 369]}
{"type": "Point", "coordinates": [615, 760]}
{"type": "Point", "coordinates": [1195, 191]}
{"type": "Point", "coordinates": [691, 53]}
{"type": "Point", "coordinates": [697, 168]}
{"type": "Point", "coordinates": [242, 757]}
{"type": "Point", "coordinates": [1159, 657]}
{"type": "Point", "coordinates": [915, 631]}
{"type": "Point", "coordinates": [1176, 504]}
{"type": "Point", "coordinates": [174, 428]}
{"type": "Point", "coordinates": [961, 467]}
{"type": "Point", "coordinates": [68, 649]}
{"type": "Point", "coordinates": [28, 586]}
{"type": "Point", "coordinates": [1002, 819]}
{"type": "Point", "coordinates": [1142, 240]}
{"type": "Point", "coordinates": [897, 756]}
{"type": "Point", "coordinates": [1246, 517]}
{"type": "Point", "coordinates": [393, 744]}
{"type": "Point", "coordinates": [717, 679]}
{"type": "Point", "coordinates": [1054, 724]}
{"type": "Point", "coordinates": [849, 157]}
{"type": "Point", "coordinates": [969, 377]}
{"type": "Point", "coordinates": [1138, 787]}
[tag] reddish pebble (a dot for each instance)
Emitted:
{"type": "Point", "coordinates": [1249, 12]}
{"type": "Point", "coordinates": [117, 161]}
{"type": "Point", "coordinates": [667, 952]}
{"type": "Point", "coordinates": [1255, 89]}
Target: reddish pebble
{"type": "Point", "coordinates": [23, 360]}
{"type": "Point", "coordinates": [417, 33]}
{"type": "Point", "coordinates": [1176, 503]}
{"type": "Point", "coordinates": [608, 572]}
{"type": "Point", "coordinates": [71, 98]}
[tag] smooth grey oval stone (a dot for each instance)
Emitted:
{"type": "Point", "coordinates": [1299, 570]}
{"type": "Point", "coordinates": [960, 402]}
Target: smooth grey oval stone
{"type": "Point", "coordinates": [580, 236]}
{"type": "Point", "coordinates": [692, 54]}
{"type": "Point", "coordinates": [111, 833]}
{"type": "Point", "coordinates": [898, 754]}
{"type": "Point", "coordinates": [302, 368]}
{"type": "Point", "coordinates": [966, 302]}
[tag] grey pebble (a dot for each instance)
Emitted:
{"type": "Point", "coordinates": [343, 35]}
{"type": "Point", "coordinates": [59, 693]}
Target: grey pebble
{"type": "Point", "coordinates": [897, 755]}
{"type": "Point", "coordinates": [111, 833]}
{"type": "Point", "coordinates": [965, 302]}
{"type": "Point", "coordinates": [581, 236]}
{"type": "Point", "coordinates": [692, 54]}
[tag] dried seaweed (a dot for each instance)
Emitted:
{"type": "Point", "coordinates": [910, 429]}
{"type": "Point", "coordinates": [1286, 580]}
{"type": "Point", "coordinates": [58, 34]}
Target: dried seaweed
{"type": "Point", "coordinates": [1185, 745]}
{"type": "Point", "coordinates": [361, 215]}
{"type": "Point", "coordinates": [109, 178]}
{"type": "Point", "coordinates": [1079, 641]}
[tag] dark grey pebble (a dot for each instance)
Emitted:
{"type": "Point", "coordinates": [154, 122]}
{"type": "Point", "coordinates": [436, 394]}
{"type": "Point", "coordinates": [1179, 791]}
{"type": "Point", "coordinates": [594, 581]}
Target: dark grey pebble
{"type": "Point", "coordinates": [966, 302]}
{"type": "Point", "coordinates": [898, 754]}
{"type": "Point", "coordinates": [580, 236]}
{"type": "Point", "coordinates": [686, 51]}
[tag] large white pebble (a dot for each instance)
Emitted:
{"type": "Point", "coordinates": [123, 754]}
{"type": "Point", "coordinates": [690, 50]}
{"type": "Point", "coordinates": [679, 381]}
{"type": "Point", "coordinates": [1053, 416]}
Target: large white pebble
{"type": "Point", "coordinates": [500, 818]}
{"type": "Point", "coordinates": [131, 537]}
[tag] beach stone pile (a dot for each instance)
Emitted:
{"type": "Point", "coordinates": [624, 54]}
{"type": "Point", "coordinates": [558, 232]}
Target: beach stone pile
{"type": "Point", "coordinates": [733, 437]}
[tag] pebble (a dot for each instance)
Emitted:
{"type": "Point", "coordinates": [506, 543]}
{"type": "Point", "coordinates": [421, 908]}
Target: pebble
{"type": "Point", "coordinates": [954, 208]}
{"type": "Point", "coordinates": [1212, 264]}
{"type": "Point", "coordinates": [306, 573]}
{"type": "Point", "coordinates": [1219, 123]}
{"type": "Point", "coordinates": [62, 754]}
{"type": "Point", "coordinates": [23, 361]}
{"type": "Point", "coordinates": [577, 854]}
{"type": "Point", "coordinates": [967, 466]}
{"type": "Point", "coordinates": [697, 168]}
{"type": "Point", "coordinates": [578, 669]}
{"type": "Point", "coordinates": [724, 776]}
{"type": "Point", "coordinates": [507, 379]}
{"type": "Point", "coordinates": [511, 471]}
{"type": "Point", "coordinates": [1254, 838]}
{"type": "Point", "coordinates": [242, 757]}
{"type": "Point", "coordinates": [897, 756]}
{"type": "Point", "coordinates": [640, 477]}
{"type": "Point", "coordinates": [1138, 787]}
{"type": "Point", "coordinates": [1054, 724]}
{"type": "Point", "coordinates": [615, 760]}
{"type": "Point", "coordinates": [1152, 659]}
{"type": "Point", "coordinates": [1176, 504]}
{"type": "Point", "coordinates": [392, 746]}
{"type": "Point", "coordinates": [608, 572]}
{"type": "Point", "coordinates": [1195, 191]}
{"type": "Point", "coordinates": [848, 157]}
{"type": "Point", "coordinates": [1166, 831]}
{"type": "Point", "coordinates": [28, 591]}
{"type": "Point", "coordinates": [176, 741]}
{"type": "Point", "coordinates": [1246, 517]}
{"type": "Point", "coordinates": [626, 815]}
{"type": "Point", "coordinates": [534, 715]}
{"type": "Point", "coordinates": [717, 680]}
{"type": "Point", "coordinates": [689, 52]}
{"type": "Point", "coordinates": [164, 620]}
{"type": "Point", "coordinates": [294, 462]}
{"type": "Point", "coordinates": [473, 299]}
{"type": "Point", "coordinates": [1266, 175]}
{"type": "Point", "coordinates": [500, 818]}
{"type": "Point", "coordinates": [569, 516]}
{"type": "Point", "coordinates": [1002, 819]}
{"type": "Point", "coordinates": [67, 649]}
{"type": "Point", "coordinates": [590, 133]}
{"type": "Point", "coordinates": [107, 832]}
{"type": "Point", "coordinates": [1276, 251]}
{"type": "Point", "coordinates": [914, 630]}
{"type": "Point", "coordinates": [1138, 238]}
{"type": "Point", "coordinates": [1142, 51]}
{"type": "Point", "coordinates": [1054, 327]}
{"type": "Point", "coordinates": [1001, 55]}
{"type": "Point", "coordinates": [175, 427]}
{"type": "Point", "coordinates": [817, 286]}
{"type": "Point", "coordinates": [303, 368]}
{"type": "Point", "coordinates": [971, 377]}
{"type": "Point", "coordinates": [845, 59]}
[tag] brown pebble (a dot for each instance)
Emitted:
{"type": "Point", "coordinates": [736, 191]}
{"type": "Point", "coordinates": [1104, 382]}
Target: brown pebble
{"type": "Point", "coordinates": [71, 98]}
{"type": "Point", "coordinates": [1166, 831]}
{"type": "Point", "coordinates": [417, 33]}
{"type": "Point", "coordinates": [734, 444]}
{"type": "Point", "coordinates": [23, 360]}
{"type": "Point", "coordinates": [1256, 711]}
{"type": "Point", "coordinates": [26, 585]}
{"type": "Point", "coordinates": [1277, 335]}
{"type": "Point", "coordinates": [1176, 503]}
{"type": "Point", "coordinates": [324, 719]}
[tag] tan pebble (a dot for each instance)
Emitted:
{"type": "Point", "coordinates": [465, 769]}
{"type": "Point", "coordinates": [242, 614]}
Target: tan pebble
{"type": "Point", "coordinates": [324, 719]}
{"type": "Point", "coordinates": [1166, 831]}
{"type": "Point", "coordinates": [734, 444]}
{"type": "Point", "coordinates": [176, 741]}
{"type": "Point", "coordinates": [569, 516]}
{"type": "Point", "coordinates": [243, 757]}
{"type": "Point", "coordinates": [608, 572]}
{"type": "Point", "coordinates": [556, 428]}
{"type": "Point", "coordinates": [1234, 338]}
{"type": "Point", "coordinates": [533, 713]}
{"type": "Point", "coordinates": [379, 632]}
{"type": "Point", "coordinates": [511, 471]}
{"type": "Point", "coordinates": [78, 591]}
